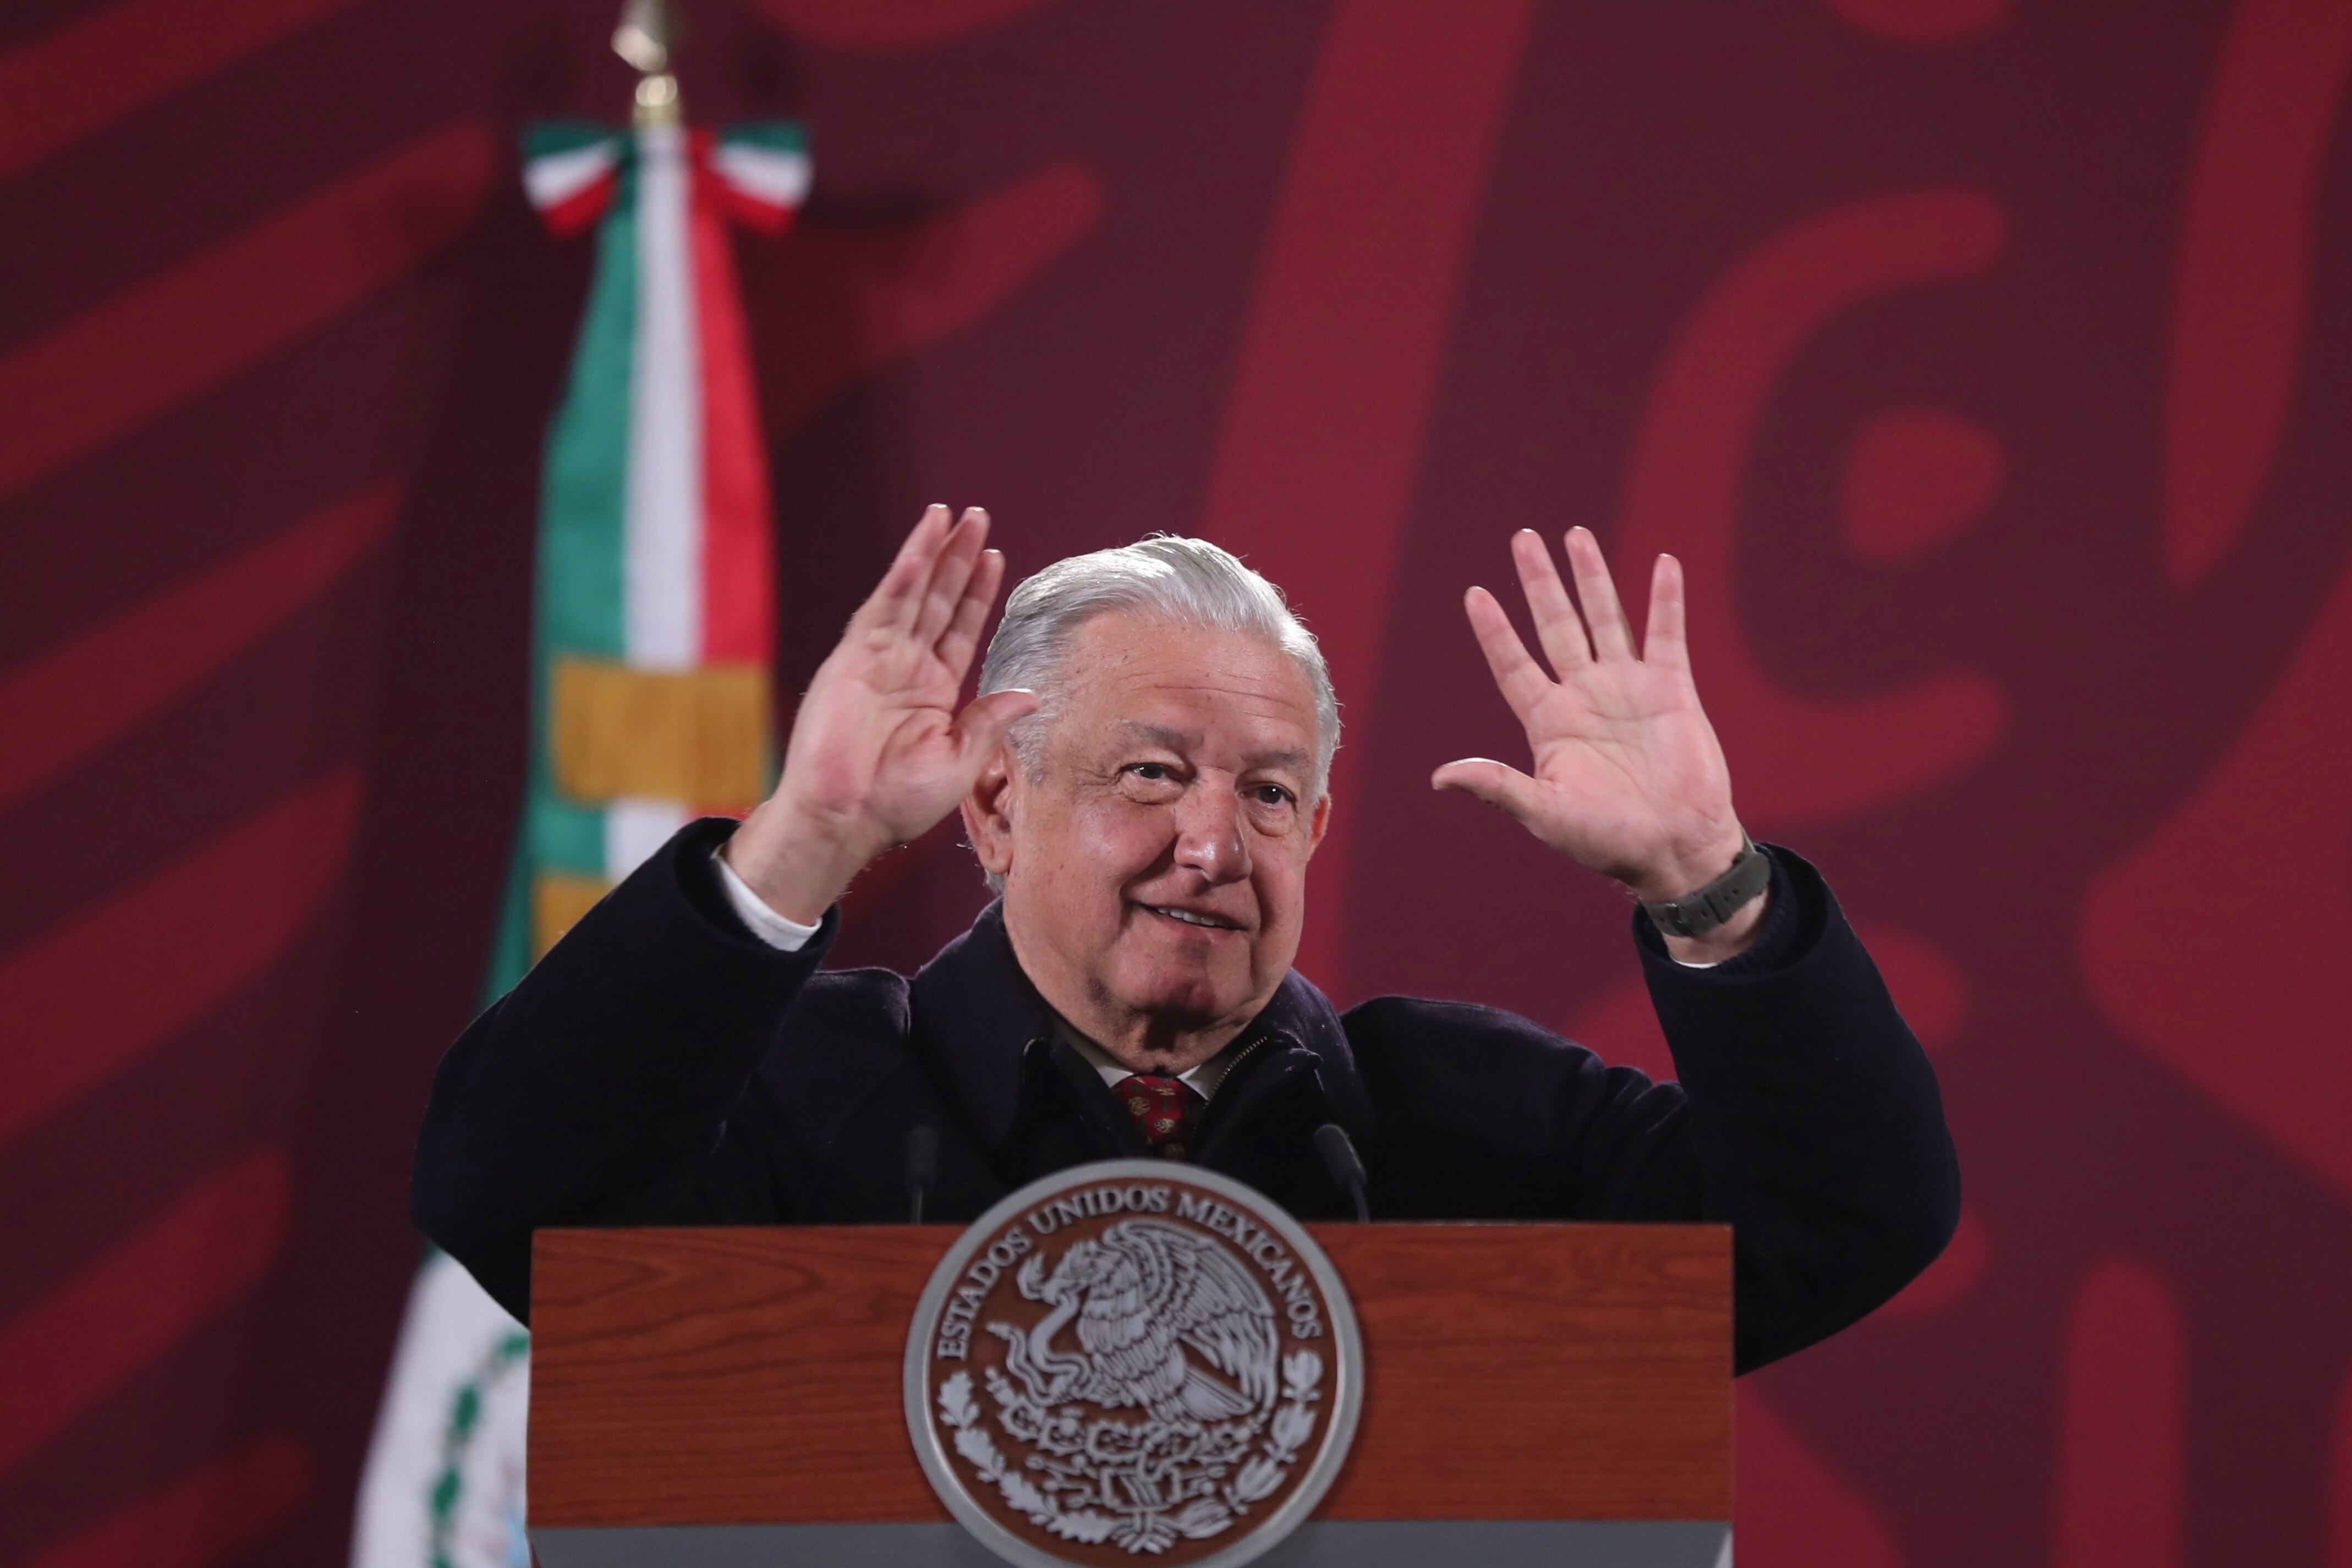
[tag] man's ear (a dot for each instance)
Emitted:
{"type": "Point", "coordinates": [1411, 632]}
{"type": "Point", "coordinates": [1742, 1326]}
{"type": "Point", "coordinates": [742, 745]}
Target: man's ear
{"type": "Point", "coordinates": [1319, 823]}
{"type": "Point", "coordinates": [988, 812]}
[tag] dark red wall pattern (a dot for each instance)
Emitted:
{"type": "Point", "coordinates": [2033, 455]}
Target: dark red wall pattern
{"type": "Point", "coordinates": [1987, 364]}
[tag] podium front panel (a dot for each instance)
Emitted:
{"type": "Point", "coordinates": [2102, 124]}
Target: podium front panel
{"type": "Point", "coordinates": [717, 1377]}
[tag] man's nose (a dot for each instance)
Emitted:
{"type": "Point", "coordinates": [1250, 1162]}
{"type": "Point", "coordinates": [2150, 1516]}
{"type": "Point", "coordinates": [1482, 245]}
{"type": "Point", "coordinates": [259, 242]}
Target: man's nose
{"type": "Point", "coordinates": [1209, 835]}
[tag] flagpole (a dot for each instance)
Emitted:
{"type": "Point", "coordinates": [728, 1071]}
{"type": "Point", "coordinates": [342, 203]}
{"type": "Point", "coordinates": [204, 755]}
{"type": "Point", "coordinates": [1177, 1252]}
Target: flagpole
{"type": "Point", "coordinates": [646, 33]}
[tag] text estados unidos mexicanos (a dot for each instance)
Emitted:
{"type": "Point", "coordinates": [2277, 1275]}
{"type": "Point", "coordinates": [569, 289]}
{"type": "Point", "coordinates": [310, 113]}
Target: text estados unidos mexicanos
{"type": "Point", "coordinates": [1287, 1275]}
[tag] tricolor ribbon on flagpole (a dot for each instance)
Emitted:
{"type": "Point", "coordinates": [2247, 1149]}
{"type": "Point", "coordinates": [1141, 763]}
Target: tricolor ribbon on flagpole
{"type": "Point", "coordinates": [653, 629]}
{"type": "Point", "coordinates": [756, 173]}
{"type": "Point", "coordinates": [654, 614]}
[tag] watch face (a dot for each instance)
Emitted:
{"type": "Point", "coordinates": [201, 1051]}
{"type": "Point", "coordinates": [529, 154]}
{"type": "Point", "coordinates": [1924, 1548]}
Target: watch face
{"type": "Point", "coordinates": [1133, 1361]}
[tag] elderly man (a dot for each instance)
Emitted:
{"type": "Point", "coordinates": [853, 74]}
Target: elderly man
{"type": "Point", "coordinates": [1143, 780]}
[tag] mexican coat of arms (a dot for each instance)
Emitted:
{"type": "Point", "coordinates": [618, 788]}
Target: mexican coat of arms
{"type": "Point", "coordinates": [1130, 1362]}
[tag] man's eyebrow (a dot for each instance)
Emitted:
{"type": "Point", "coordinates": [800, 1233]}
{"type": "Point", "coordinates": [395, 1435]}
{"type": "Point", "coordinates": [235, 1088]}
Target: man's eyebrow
{"type": "Point", "coordinates": [1177, 740]}
{"type": "Point", "coordinates": [1161, 734]}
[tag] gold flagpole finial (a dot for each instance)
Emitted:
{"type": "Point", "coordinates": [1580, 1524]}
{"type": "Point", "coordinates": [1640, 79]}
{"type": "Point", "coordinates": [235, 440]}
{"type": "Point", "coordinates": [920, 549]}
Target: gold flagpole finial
{"type": "Point", "coordinates": [648, 32]}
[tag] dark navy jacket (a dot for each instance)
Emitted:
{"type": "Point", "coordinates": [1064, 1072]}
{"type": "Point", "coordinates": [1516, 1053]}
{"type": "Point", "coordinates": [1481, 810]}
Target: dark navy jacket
{"type": "Point", "coordinates": [663, 1066]}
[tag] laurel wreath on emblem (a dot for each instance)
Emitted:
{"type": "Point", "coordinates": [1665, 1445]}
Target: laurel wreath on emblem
{"type": "Point", "coordinates": [1170, 1324]}
{"type": "Point", "coordinates": [505, 1355]}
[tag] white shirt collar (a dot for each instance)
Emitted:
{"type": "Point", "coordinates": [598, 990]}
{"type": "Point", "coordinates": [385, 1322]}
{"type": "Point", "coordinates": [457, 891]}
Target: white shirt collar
{"type": "Point", "coordinates": [1204, 1079]}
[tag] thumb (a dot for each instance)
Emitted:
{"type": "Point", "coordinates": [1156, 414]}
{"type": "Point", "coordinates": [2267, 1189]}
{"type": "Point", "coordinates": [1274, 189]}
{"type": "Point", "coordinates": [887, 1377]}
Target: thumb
{"type": "Point", "coordinates": [1504, 788]}
{"type": "Point", "coordinates": [982, 725]}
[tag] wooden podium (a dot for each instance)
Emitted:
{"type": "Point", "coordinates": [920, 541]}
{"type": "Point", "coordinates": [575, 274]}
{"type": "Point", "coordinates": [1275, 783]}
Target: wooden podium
{"type": "Point", "coordinates": [1552, 1394]}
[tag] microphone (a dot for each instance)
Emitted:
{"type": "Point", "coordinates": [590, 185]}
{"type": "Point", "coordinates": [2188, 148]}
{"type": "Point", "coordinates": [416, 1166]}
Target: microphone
{"type": "Point", "coordinates": [1338, 1151]}
{"type": "Point", "coordinates": [923, 1168]}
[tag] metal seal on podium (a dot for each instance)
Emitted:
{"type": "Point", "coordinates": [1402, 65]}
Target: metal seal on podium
{"type": "Point", "coordinates": [1133, 1361]}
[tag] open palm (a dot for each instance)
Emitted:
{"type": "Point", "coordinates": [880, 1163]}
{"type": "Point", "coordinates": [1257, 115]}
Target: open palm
{"type": "Point", "coordinates": [1628, 777]}
{"type": "Point", "coordinates": [878, 752]}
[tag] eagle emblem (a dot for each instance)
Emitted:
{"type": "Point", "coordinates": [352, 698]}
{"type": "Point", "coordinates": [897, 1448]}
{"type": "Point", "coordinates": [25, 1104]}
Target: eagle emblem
{"type": "Point", "coordinates": [1112, 1368]}
{"type": "Point", "coordinates": [1167, 1320]}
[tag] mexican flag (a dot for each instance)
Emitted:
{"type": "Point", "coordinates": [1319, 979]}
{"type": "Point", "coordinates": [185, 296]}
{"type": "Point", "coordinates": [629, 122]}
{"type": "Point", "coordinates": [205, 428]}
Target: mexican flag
{"type": "Point", "coordinates": [654, 632]}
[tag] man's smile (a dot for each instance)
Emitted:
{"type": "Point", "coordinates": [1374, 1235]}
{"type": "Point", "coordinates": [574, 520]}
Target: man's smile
{"type": "Point", "coordinates": [1202, 918]}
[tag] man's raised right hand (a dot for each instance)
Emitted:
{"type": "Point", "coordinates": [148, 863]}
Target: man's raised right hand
{"type": "Point", "coordinates": [879, 753]}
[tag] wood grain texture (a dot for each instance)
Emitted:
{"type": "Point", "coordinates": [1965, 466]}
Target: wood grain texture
{"type": "Point", "coordinates": [749, 1375]}
{"type": "Point", "coordinates": [1538, 1371]}
{"type": "Point", "coordinates": [726, 1375]}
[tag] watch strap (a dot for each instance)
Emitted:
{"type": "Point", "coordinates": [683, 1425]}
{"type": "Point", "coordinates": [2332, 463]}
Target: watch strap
{"type": "Point", "coordinates": [1696, 914]}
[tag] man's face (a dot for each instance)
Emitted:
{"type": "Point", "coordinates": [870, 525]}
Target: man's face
{"type": "Point", "coordinates": [1155, 871]}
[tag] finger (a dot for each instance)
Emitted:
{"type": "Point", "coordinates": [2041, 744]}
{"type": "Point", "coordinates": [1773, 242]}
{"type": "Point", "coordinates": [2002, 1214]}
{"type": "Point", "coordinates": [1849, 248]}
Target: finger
{"type": "Point", "coordinates": [1504, 788]}
{"type": "Point", "coordinates": [1558, 625]}
{"type": "Point", "coordinates": [895, 600]}
{"type": "Point", "coordinates": [1522, 681]}
{"type": "Point", "coordinates": [982, 725]}
{"type": "Point", "coordinates": [961, 639]}
{"type": "Point", "coordinates": [949, 576]}
{"type": "Point", "coordinates": [1662, 639]}
{"type": "Point", "coordinates": [1602, 612]}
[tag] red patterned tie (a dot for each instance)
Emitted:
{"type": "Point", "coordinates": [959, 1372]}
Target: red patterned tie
{"type": "Point", "coordinates": [1163, 1108]}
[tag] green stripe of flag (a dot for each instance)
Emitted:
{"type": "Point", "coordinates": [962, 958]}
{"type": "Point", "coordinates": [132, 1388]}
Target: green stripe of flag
{"type": "Point", "coordinates": [580, 571]}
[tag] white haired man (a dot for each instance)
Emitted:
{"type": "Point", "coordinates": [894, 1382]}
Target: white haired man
{"type": "Point", "coordinates": [1143, 780]}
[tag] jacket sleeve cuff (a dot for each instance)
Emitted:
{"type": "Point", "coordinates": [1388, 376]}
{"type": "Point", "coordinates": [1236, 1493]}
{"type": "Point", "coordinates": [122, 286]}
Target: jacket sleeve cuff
{"type": "Point", "coordinates": [1780, 941]}
{"type": "Point", "coordinates": [735, 912]}
{"type": "Point", "coordinates": [780, 932]}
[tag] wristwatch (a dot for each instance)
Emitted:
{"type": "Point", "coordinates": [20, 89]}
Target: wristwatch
{"type": "Point", "coordinates": [1696, 914]}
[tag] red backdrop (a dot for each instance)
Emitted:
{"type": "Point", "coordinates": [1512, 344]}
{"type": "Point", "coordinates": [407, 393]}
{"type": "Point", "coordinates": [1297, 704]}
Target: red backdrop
{"type": "Point", "coordinates": [1987, 362]}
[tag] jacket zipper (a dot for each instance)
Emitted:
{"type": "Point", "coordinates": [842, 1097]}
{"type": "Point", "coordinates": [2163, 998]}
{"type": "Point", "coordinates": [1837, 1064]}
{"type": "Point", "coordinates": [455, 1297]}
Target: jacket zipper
{"type": "Point", "coordinates": [1227, 1086]}
{"type": "Point", "coordinates": [1248, 1051]}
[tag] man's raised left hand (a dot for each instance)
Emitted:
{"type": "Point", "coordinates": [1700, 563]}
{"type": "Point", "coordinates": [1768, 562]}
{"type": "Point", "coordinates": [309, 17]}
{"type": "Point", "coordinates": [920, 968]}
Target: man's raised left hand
{"type": "Point", "coordinates": [1629, 779]}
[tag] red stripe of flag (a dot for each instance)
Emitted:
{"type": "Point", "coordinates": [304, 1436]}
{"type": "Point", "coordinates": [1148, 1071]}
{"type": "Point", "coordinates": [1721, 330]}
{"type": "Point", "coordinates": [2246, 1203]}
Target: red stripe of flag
{"type": "Point", "coordinates": [576, 213]}
{"type": "Point", "coordinates": [739, 615]}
